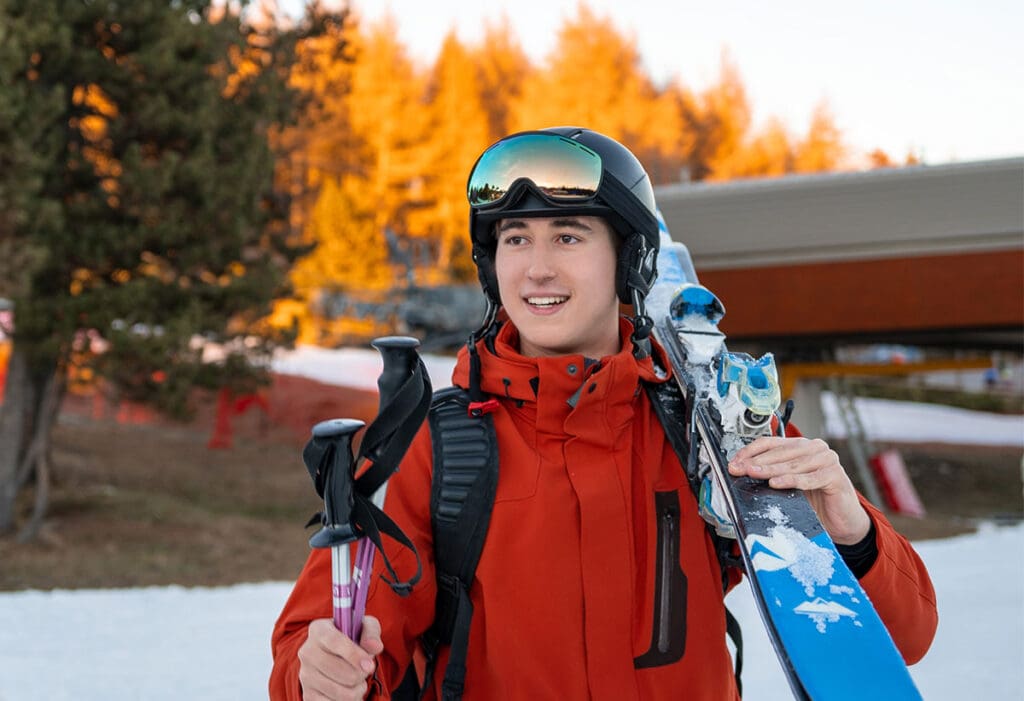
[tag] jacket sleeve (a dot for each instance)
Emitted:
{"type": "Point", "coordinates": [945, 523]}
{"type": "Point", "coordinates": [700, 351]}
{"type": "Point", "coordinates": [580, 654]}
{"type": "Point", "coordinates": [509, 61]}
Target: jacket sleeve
{"type": "Point", "coordinates": [403, 619]}
{"type": "Point", "coordinates": [901, 590]}
{"type": "Point", "coordinates": [309, 600]}
{"type": "Point", "coordinates": [898, 585]}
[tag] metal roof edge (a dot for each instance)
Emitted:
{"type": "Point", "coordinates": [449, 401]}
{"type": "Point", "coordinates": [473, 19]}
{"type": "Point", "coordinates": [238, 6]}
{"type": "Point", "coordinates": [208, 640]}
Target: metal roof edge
{"type": "Point", "coordinates": [876, 175]}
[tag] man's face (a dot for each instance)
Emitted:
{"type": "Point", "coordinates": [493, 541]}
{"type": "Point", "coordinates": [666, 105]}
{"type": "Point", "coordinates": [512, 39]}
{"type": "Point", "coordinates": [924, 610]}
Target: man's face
{"type": "Point", "coordinates": [556, 277]}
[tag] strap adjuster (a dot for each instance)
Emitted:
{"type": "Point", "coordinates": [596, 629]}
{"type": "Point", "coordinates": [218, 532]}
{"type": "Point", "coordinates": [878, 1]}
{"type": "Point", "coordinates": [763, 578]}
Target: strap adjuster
{"type": "Point", "coordinates": [478, 409]}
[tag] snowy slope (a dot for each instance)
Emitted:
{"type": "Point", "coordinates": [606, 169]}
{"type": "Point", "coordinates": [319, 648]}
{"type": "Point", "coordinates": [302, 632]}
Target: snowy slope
{"type": "Point", "coordinates": [172, 643]}
{"type": "Point", "coordinates": [884, 420]}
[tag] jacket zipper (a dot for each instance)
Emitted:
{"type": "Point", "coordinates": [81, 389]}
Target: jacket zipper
{"type": "Point", "coordinates": [668, 627]}
{"type": "Point", "coordinates": [669, 559]}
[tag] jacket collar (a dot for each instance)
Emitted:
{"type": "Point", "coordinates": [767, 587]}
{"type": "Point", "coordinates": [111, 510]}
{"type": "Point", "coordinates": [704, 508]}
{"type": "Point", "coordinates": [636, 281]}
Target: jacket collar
{"type": "Point", "coordinates": [505, 373]}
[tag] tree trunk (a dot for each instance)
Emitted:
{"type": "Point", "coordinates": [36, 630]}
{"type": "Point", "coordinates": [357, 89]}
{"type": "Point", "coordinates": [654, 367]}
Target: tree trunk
{"type": "Point", "coordinates": [37, 457]}
{"type": "Point", "coordinates": [23, 423]}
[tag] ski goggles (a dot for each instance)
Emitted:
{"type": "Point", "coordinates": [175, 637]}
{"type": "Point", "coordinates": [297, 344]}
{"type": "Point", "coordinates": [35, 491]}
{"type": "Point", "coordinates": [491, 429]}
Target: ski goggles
{"type": "Point", "coordinates": [562, 170]}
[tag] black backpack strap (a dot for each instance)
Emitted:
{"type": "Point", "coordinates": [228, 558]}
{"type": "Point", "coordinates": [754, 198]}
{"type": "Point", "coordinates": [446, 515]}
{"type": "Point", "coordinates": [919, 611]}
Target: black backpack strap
{"type": "Point", "coordinates": [464, 483]}
{"type": "Point", "coordinates": [671, 408]}
{"type": "Point", "coordinates": [735, 633]}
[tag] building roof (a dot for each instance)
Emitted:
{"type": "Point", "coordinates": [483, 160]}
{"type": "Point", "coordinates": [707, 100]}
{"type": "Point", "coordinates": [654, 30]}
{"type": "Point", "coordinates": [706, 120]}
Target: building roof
{"type": "Point", "coordinates": [882, 213]}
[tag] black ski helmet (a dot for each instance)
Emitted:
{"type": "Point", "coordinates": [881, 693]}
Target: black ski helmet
{"type": "Point", "coordinates": [619, 190]}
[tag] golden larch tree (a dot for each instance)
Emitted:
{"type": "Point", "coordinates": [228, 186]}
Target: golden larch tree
{"type": "Point", "coordinates": [351, 252]}
{"type": "Point", "coordinates": [388, 119]}
{"type": "Point", "coordinates": [593, 78]}
{"type": "Point", "coordinates": [459, 131]}
{"type": "Point", "coordinates": [502, 67]}
{"type": "Point", "coordinates": [769, 153]}
{"type": "Point", "coordinates": [724, 120]}
{"type": "Point", "coordinates": [822, 148]}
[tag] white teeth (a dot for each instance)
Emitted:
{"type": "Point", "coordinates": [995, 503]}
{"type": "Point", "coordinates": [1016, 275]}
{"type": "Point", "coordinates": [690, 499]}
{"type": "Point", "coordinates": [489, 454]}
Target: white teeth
{"type": "Point", "coordinates": [545, 301]}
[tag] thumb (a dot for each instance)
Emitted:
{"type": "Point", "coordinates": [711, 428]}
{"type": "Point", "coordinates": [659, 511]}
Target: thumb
{"type": "Point", "coordinates": [369, 639]}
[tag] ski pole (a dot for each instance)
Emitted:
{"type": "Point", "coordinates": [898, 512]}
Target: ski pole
{"type": "Point", "coordinates": [400, 359]}
{"type": "Point", "coordinates": [352, 506]}
{"type": "Point", "coordinates": [335, 436]}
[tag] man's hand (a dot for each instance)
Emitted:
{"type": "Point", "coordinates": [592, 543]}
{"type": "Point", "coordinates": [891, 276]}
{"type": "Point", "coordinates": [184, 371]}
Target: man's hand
{"type": "Point", "coordinates": [813, 467]}
{"type": "Point", "coordinates": [332, 667]}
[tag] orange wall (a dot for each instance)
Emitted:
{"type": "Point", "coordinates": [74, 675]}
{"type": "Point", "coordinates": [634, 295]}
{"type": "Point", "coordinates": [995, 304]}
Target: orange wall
{"type": "Point", "coordinates": [964, 291]}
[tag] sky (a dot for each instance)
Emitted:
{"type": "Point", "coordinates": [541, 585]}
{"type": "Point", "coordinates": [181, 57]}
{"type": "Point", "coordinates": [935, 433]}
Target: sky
{"type": "Point", "coordinates": [939, 78]}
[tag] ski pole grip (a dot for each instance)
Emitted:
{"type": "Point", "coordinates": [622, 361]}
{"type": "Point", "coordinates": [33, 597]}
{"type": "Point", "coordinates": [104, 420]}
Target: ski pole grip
{"type": "Point", "coordinates": [400, 360]}
{"type": "Point", "coordinates": [340, 430]}
{"type": "Point", "coordinates": [333, 442]}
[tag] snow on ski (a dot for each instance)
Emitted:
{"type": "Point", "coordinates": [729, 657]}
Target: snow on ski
{"type": "Point", "coordinates": [829, 639]}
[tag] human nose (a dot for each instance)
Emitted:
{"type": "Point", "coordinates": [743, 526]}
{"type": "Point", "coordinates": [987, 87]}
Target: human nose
{"type": "Point", "coordinates": [540, 267]}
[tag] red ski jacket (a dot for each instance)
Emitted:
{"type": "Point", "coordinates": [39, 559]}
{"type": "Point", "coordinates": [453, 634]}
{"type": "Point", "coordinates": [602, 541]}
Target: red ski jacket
{"type": "Point", "coordinates": [564, 598]}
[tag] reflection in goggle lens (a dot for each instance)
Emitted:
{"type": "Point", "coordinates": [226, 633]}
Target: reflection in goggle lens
{"type": "Point", "coordinates": [562, 169]}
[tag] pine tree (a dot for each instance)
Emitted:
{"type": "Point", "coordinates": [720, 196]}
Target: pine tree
{"type": "Point", "coordinates": [139, 180]}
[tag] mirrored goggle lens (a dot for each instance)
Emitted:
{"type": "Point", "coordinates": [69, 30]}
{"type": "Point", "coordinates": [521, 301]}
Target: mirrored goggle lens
{"type": "Point", "coordinates": [563, 170]}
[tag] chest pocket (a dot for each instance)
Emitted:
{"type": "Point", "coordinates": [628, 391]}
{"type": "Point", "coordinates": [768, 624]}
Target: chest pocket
{"type": "Point", "coordinates": [519, 477]}
{"type": "Point", "coordinates": [668, 632]}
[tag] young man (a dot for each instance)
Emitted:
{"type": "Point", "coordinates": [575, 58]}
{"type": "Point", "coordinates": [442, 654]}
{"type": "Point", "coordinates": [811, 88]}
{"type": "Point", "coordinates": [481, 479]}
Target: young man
{"type": "Point", "coordinates": [590, 492]}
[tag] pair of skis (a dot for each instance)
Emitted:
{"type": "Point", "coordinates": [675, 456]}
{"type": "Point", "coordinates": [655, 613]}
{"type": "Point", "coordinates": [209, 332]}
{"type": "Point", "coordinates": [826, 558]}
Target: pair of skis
{"type": "Point", "coordinates": [829, 639]}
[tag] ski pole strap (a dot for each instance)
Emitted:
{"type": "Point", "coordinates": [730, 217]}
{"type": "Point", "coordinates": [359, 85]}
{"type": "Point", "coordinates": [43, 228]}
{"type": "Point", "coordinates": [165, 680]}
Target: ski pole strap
{"type": "Point", "coordinates": [385, 443]}
{"type": "Point", "coordinates": [349, 510]}
{"type": "Point", "coordinates": [348, 513]}
{"type": "Point", "coordinates": [372, 522]}
{"type": "Point", "coordinates": [388, 438]}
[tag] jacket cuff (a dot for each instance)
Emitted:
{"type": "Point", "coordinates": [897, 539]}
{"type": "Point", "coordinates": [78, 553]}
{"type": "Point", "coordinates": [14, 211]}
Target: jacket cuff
{"type": "Point", "coordinates": [861, 556]}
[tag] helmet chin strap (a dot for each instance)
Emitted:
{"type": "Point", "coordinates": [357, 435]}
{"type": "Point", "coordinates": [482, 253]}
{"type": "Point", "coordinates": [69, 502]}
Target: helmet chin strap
{"type": "Point", "coordinates": [642, 326]}
{"type": "Point", "coordinates": [490, 314]}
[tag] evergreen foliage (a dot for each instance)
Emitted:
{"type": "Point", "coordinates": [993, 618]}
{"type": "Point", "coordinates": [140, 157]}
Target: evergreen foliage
{"type": "Point", "coordinates": [140, 221]}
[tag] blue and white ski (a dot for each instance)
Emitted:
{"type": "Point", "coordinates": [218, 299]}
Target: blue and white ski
{"type": "Point", "coordinates": [830, 641]}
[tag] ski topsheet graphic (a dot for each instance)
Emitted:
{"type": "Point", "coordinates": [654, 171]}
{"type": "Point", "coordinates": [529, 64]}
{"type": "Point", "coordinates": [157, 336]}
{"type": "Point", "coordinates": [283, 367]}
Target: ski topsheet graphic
{"type": "Point", "coordinates": [830, 641]}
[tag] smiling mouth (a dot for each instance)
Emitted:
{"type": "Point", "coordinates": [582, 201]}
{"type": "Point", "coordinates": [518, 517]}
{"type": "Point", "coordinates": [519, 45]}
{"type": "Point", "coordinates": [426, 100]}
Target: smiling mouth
{"type": "Point", "coordinates": [546, 302]}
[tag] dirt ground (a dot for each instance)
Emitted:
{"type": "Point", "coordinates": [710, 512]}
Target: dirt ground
{"type": "Point", "coordinates": [151, 504]}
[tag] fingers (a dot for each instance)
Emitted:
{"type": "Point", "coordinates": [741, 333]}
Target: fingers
{"type": "Point", "coordinates": [811, 466]}
{"type": "Point", "coordinates": [784, 448]}
{"type": "Point", "coordinates": [791, 463]}
{"type": "Point", "coordinates": [332, 666]}
{"type": "Point", "coordinates": [370, 640]}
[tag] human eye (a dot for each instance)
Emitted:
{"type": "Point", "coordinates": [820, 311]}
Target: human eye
{"type": "Point", "coordinates": [568, 239]}
{"type": "Point", "coordinates": [513, 240]}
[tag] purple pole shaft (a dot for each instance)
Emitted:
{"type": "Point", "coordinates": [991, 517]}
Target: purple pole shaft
{"type": "Point", "coordinates": [361, 584]}
{"type": "Point", "coordinates": [341, 586]}
{"type": "Point", "coordinates": [363, 572]}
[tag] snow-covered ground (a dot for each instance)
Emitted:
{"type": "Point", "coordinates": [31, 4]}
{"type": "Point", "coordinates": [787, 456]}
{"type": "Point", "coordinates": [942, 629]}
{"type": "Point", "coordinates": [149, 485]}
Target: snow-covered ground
{"type": "Point", "coordinates": [208, 644]}
{"type": "Point", "coordinates": [883, 420]}
{"type": "Point", "coordinates": [172, 643]}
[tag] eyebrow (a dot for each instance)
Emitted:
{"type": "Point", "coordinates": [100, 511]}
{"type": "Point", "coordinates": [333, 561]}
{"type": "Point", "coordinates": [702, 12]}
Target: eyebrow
{"type": "Point", "coordinates": [568, 222]}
